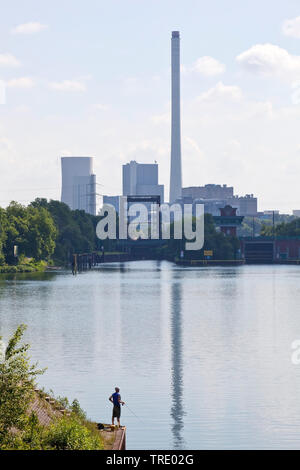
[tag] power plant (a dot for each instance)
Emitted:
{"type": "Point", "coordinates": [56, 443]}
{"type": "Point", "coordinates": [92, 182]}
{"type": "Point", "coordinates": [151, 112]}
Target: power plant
{"type": "Point", "coordinates": [78, 188]}
{"type": "Point", "coordinates": [141, 179]}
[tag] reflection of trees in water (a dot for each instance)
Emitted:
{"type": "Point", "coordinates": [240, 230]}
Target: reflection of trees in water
{"type": "Point", "coordinates": [177, 411]}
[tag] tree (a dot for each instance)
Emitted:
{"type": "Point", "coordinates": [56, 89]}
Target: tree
{"type": "Point", "coordinates": [41, 234]}
{"type": "Point", "coordinates": [283, 229]}
{"type": "Point", "coordinates": [3, 235]}
{"type": "Point", "coordinates": [76, 230]}
{"type": "Point", "coordinates": [17, 382]}
{"type": "Point", "coordinates": [31, 228]}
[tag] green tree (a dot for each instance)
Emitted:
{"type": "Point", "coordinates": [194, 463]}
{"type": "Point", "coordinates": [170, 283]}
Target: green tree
{"type": "Point", "coordinates": [17, 382]}
{"type": "Point", "coordinates": [42, 233]}
{"type": "Point", "coordinates": [76, 230]}
{"type": "Point", "coordinates": [31, 228]}
{"type": "Point", "coordinates": [3, 234]}
{"type": "Point", "coordinates": [283, 229]}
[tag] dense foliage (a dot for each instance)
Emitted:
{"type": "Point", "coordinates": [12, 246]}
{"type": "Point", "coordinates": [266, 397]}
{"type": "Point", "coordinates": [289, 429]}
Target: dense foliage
{"type": "Point", "coordinates": [223, 247]}
{"type": "Point", "coordinates": [283, 229]}
{"type": "Point", "coordinates": [45, 230]}
{"type": "Point", "coordinates": [254, 225]}
{"type": "Point", "coordinates": [31, 229]}
{"type": "Point", "coordinates": [76, 230]}
{"type": "Point", "coordinates": [17, 377]}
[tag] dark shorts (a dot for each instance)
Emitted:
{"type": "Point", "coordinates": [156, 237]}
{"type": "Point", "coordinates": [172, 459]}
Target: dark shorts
{"type": "Point", "coordinates": [116, 412]}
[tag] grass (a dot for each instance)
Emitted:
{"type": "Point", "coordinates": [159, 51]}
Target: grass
{"type": "Point", "coordinates": [26, 265]}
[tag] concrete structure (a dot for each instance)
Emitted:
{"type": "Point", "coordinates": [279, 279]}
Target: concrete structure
{"type": "Point", "coordinates": [78, 189]}
{"type": "Point", "coordinates": [216, 196]}
{"type": "Point", "coordinates": [176, 177]}
{"type": "Point", "coordinates": [209, 191]}
{"type": "Point", "coordinates": [113, 201]}
{"type": "Point", "coordinates": [271, 250]}
{"type": "Point", "coordinates": [246, 205]}
{"type": "Point", "coordinates": [141, 179]}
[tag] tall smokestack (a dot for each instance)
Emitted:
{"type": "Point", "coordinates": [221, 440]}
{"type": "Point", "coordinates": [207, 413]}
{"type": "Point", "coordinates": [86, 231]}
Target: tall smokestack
{"type": "Point", "coordinates": [176, 178]}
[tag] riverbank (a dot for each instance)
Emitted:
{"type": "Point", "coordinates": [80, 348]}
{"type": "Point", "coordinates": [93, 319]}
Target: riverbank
{"type": "Point", "coordinates": [29, 266]}
{"type": "Point", "coordinates": [49, 411]}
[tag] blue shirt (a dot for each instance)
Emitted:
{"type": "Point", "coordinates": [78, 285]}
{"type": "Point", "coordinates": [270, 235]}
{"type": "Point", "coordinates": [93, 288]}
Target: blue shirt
{"type": "Point", "coordinates": [116, 397]}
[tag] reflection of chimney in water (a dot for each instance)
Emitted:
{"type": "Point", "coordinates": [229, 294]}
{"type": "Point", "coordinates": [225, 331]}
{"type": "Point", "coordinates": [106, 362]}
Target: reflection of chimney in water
{"type": "Point", "coordinates": [177, 411]}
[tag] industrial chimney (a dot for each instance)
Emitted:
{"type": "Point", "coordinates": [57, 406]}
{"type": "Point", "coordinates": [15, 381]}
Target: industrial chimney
{"type": "Point", "coordinates": [175, 178]}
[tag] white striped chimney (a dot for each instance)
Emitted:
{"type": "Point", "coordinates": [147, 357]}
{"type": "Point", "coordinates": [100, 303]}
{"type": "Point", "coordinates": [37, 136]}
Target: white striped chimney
{"type": "Point", "coordinates": [176, 177]}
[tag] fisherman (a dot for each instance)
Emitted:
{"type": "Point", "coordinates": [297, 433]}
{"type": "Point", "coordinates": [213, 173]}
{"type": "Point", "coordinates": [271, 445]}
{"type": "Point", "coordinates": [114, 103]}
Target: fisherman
{"type": "Point", "coordinates": [115, 398]}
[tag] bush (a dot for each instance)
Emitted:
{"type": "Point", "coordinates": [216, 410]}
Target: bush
{"type": "Point", "coordinates": [17, 381]}
{"type": "Point", "coordinates": [70, 434]}
{"type": "Point", "coordinates": [77, 410]}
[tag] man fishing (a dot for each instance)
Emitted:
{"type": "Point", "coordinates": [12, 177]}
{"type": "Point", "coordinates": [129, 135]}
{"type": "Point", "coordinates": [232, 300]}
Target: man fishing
{"type": "Point", "coordinates": [115, 398]}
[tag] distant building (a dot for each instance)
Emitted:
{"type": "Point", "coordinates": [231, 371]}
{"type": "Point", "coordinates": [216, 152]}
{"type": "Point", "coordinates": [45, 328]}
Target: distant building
{"type": "Point", "coordinates": [296, 212]}
{"type": "Point", "coordinates": [209, 191]}
{"type": "Point", "coordinates": [270, 213]}
{"type": "Point", "coordinates": [78, 189]}
{"type": "Point", "coordinates": [113, 201]}
{"type": "Point", "coordinates": [215, 196]}
{"type": "Point", "coordinates": [246, 205]}
{"type": "Point", "coordinates": [211, 206]}
{"type": "Point", "coordinates": [141, 179]}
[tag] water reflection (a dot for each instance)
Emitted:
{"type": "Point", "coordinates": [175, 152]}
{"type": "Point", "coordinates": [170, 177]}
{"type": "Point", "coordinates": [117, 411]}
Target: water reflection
{"type": "Point", "coordinates": [177, 410]}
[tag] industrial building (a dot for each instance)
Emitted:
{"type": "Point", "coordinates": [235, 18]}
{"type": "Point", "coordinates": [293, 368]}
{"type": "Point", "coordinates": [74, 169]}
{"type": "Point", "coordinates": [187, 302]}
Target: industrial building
{"type": "Point", "coordinates": [78, 188]}
{"type": "Point", "coordinates": [113, 201]}
{"type": "Point", "coordinates": [176, 174]}
{"type": "Point", "coordinates": [246, 205]}
{"type": "Point", "coordinates": [209, 191]}
{"type": "Point", "coordinates": [141, 179]}
{"type": "Point", "coordinates": [216, 196]}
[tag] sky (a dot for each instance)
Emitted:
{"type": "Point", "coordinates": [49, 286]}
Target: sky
{"type": "Point", "coordinates": [92, 78]}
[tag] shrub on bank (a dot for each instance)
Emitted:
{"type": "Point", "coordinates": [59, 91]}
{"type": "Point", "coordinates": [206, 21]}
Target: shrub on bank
{"type": "Point", "coordinates": [70, 434]}
{"type": "Point", "coordinates": [24, 267]}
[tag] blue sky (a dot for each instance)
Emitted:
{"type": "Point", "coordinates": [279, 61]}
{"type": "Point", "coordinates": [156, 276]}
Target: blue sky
{"type": "Point", "coordinates": [93, 78]}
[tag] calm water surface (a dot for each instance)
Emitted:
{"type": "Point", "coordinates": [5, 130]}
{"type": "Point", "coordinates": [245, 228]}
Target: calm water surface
{"type": "Point", "coordinates": [202, 355]}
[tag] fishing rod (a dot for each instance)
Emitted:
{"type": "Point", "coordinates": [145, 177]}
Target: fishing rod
{"type": "Point", "coordinates": [134, 414]}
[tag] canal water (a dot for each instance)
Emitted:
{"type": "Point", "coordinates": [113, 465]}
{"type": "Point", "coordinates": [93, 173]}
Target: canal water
{"type": "Point", "coordinates": [202, 355]}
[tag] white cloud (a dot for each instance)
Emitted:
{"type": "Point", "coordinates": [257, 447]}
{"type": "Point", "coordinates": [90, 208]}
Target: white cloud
{"type": "Point", "coordinates": [292, 27]}
{"type": "Point", "coordinates": [100, 107]}
{"type": "Point", "coordinates": [220, 92]}
{"type": "Point", "coordinates": [6, 144]}
{"type": "Point", "coordinates": [22, 82]}
{"type": "Point", "coordinates": [194, 145]}
{"type": "Point", "coordinates": [268, 59]}
{"type": "Point", "coordinates": [68, 85]}
{"type": "Point", "coordinates": [164, 118]}
{"type": "Point", "coordinates": [208, 66]}
{"type": "Point", "coordinates": [29, 28]}
{"type": "Point", "coordinates": [8, 60]}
